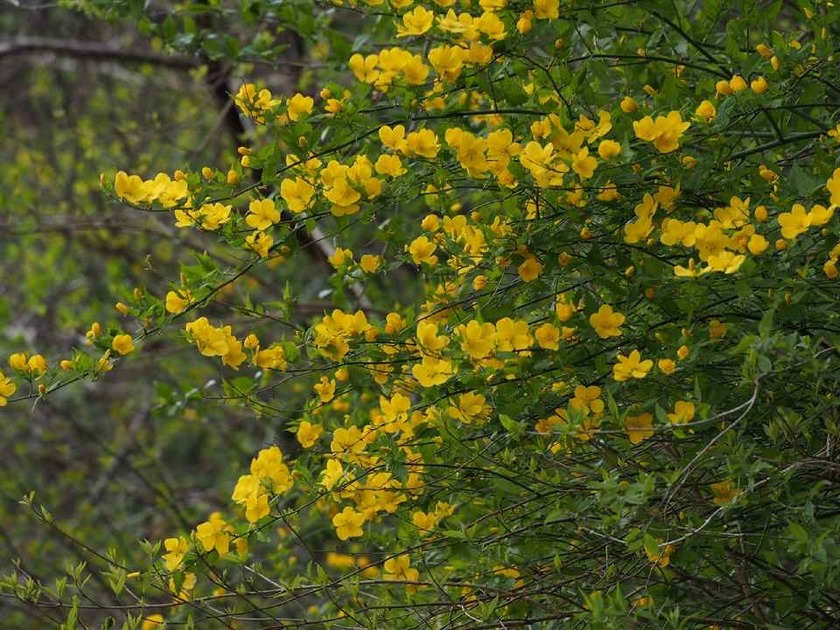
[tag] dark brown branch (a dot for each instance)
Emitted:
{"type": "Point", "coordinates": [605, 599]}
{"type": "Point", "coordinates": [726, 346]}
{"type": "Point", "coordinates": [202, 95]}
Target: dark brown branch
{"type": "Point", "coordinates": [94, 51]}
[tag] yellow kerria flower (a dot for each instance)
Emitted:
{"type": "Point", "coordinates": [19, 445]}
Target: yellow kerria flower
{"type": "Point", "coordinates": [631, 366]}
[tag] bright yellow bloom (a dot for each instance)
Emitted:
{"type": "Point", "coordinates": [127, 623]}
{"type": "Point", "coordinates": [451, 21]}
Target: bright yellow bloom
{"type": "Point", "coordinates": [631, 367]}
{"type": "Point", "coordinates": [606, 322]}
{"type": "Point", "coordinates": [370, 263]}
{"type": "Point", "coordinates": [795, 222]}
{"type": "Point", "coordinates": [348, 523]}
{"type": "Point", "coordinates": [470, 407]}
{"type": "Point", "coordinates": [176, 549]}
{"type": "Point", "coordinates": [706, 110]}
{"type": "Point", "coordinates": [477, 340]}
{"type": "Point", "coordinates": [547, 9]}
{"type": "Point", "coordinates": [214, 534]}
{"type": "Point", "coordinates": [422, 251]}
{"type": "Point", "coordinates": [548, 336]}
{"type": "Point", "coordinates": [259, 242]}
{"type": "Point", "coordinates": [399, 568]}
{"type": "Point", "coordinates": [123, 344]}
{"type": "Point", "coordinates": [432, 371]}
{"type": "Point", "coordinates": [415, 22]}
{"type": "Point", "coordinates": [308, 433]}
{"type": "Point", "coordinates": [628, 105]}
{"type": "Point", "coordinates": [609, 149]}
{"type": "Point", "coordinates": [683, 412]}
{"type": "Point", "coordinates": [639, 427]}
{"type": "Point", "coordinates": [297, 193]}
{"type": "Point", "coordinates": [7, 388]}
{"type": "Point", "coordinates": [178, 301]}
{"type": "Point", "coordinates": [664, 132]}
{"type": "Point", "coordinates": [530, 269]}
{"type": "Point", "coordinates": [299, 105]}
{"type": "Point", "coordinates": [262, 214]}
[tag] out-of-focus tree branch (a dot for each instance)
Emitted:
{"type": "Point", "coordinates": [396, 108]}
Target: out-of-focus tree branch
{"type": "Point", "coordinates": [92, 50]}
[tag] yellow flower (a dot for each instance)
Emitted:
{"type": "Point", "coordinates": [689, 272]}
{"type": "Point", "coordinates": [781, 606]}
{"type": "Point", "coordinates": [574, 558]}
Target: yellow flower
{"type": "Point", "coordinates": [631, 367]}
{"type": "Point", "coordinates": [606, 323]}
{"type": "Point", "coordinates": [415, 22]}
{"type": "Point", "coordinates": [178, 301]}
{"type": "Point", "coordinates": [609, 149]}
{"type": "Point", "coordinates": [547, 9]}
{"type": "Point", "coordinates": [548, 336]}
{"type": "Point", "coordinates": [259, 242]}
{"type": "Point", "coordinates": [664, 132]}
{"type": "Point", "coordinates": [348, 523]}
{"type": "Point", "coordinates": [530, 269]}
{"type": "Point", "coordinates": [7, 388]}
{"type": "Point", "coordinates": [737, 83]}
{"type": "Point", "coordinates": [214, 534]}
{"type": "Point", "coordinates": [423, 521]}
{"type": "Point", "coordinates": [308, 433]}
{"type": "Point", "coordinates": [432, 371]}
{"type": "Point", "coordinates": [667, 366]}
{"type": "Point", "coordinates": [628, 105]}
{"type": "Point", "coordinates": [795, 222]}
{"type": "Point", "coordinates": [152, 621]}
{"type": "Point", "coordinates": [661, 557]}
{"type": "Point", "coordinates": [422, 251]}
{"type": "Point", "coordinates": [639, 428]}
{"type": "Point", "coordinates": [370, 263]}
{"type": "Point", "coordinates": [299, 105]}
{"type": "Point", "coordinates": [683, 412]}
{"type": "Point", "coordinates": [176, 548]}
{"type": "Point", "coordinates": [758, 85]}
{"type": "Point", "coordinates": [724, 492]}
{"type": "Point", "coordinates": [262, 214]}
{"type": "Point", "coordinates": [706, 110]}
{"type": "Point", "coordinates": [123, 344]}
{"type": "Point", "coordinates": [341, 257]}
{"type": "Point", "coordinates": [297, 193]}
{"type": "Point", "coordinates": [399, 568]}
{"type": "Point", "coordinates": [584, 164]}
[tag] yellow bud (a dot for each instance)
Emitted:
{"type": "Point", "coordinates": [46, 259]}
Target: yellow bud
{"type": "Point", "coordinates": [830, 269]}
{"type": "Point", "coordinates": [629, 271]}
{"type": "Point", "coordinates": [787, 299]}
{"type": "Point", "coordinates": [138, 293]}
{"type": "Point", "coordinates": [207, 172]}
{"type": "Point", "coordinates": [122, 308]}
{"type": "Point", "coordinates": [774, 61]}
{"type": "Point", "coordinates": [628, 105]}
{"type": "Point", "coordinates": [759, 85]}
{"type": "Point", "coordinates": [683, 352]}
{"type": "Point", "coordinates": [760, 213]}
{"type": "Point", "coordinates": [479, 282]}
{"type": "Point", "coordinates": [585, 233]}
{"type": "Point", "coordinates": [650, 293]}
{"type": "Point", "coordinates": [232, 177]}
{"type": "Point", "coordinates": [563, 258]}
{"type": "Point", "coordinates": [737, 83]}
{"type": "Point", "coordinates": [764, 50]}
{"type": "Point", "coordinates": [42, 389]}
{"type": "Point", "coordinates": [781, 244]}
{"type": "Point", "coordinates": [649, 89]}
{"type": "Point", "coordinates": [722, 88]}
{"type": "Point", "coordinates": [66, 364]}
{"type": "Point", "coordinates": [179, 175]}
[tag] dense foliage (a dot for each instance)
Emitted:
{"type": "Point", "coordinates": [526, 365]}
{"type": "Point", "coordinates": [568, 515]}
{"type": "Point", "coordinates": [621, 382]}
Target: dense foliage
{"type": "Point", "coordinates": [502, 314]}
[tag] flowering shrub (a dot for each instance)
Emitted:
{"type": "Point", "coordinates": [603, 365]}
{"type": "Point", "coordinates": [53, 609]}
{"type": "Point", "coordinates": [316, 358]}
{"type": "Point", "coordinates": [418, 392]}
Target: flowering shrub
{"type": "Point", "coordinates": [579, 364]}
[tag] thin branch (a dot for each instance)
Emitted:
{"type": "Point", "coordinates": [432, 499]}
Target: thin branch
{"type": "Point", "coordinates": [95, 51]}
